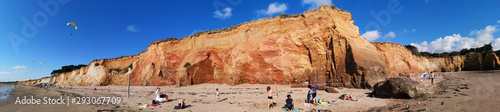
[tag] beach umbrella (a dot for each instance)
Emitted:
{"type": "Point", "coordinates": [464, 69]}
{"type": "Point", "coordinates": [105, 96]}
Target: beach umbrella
{"type": "Point", "coordinates": [315, 87]}
{"type": "Point", "coordinates": [423, 75]}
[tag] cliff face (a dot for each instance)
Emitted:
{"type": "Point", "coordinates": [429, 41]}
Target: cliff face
{"type": "Point", "coordinates": [320, 43]}
{"type": "Point", "coordinates": [319, 46]}
{"type": "Point", "coordinates": [401, 60]}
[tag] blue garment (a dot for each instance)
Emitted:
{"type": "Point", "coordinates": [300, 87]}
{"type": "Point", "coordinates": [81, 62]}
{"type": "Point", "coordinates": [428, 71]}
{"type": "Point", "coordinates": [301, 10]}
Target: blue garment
{"type": "Point", "coordinates": [309, 95]}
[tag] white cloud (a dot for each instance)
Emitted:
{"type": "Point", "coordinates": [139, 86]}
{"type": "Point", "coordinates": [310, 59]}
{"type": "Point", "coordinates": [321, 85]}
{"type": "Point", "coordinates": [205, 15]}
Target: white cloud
{"type": "Point", "coordinates": [132, 28]}
{"type": "Point", "coordinates": [316, 3]}
{"type": "Point", "coordinates": [496, 44]}
{"type": "Point", "coordinates": [371, 35]}
{"type": "Point", "coordinates": [456, 42]}
{"type": "Point", "coordinates": [405, 31]}
{"type": "Point", "coordinates": [3, 72]}
{"type": "Point", "coordinates": [390, 34]}
{"type": "Point", "coordinates": [223, 14]}
{"type": "Point", "coordinates": [413, 30]}
{"type": "Point", "coordinates": [498, 21]}
{"type": "Point", "coordinates": [273, 8]}
{"type": "Point", "coordinates": [19, 68]}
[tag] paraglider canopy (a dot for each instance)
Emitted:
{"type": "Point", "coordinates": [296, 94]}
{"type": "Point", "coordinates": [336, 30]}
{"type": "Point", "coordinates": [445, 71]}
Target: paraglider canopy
{"type": "Point", "coordinates": [72, 24]}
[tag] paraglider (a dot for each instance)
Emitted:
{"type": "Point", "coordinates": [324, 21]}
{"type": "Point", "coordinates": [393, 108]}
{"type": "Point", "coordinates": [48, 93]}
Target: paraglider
{"type": "Point", "coordinates": [42, 64]}
{"type": "Point", "coordinates": [74, 25]}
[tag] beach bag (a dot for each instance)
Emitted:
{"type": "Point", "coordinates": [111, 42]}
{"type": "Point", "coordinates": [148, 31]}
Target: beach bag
{"type": "Point", "coordinates": [342, 96]}
{"type": "Point", "coordinates": [154, 102]}
{"type": "Point", "coordinates": [307, 105]}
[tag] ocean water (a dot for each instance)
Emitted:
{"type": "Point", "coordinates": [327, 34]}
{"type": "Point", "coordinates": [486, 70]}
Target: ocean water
{"type": "Point", "coordinates": [5, 92]}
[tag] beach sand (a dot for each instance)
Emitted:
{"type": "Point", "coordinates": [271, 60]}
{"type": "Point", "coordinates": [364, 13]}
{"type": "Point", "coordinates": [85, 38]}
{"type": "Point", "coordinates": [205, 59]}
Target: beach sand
{"type": "Point", "coordinates": [201, 98]}
{"type": "Point", "coordinates": [465, 91]}
{"type": "Point", "coordinates": [480, 96]}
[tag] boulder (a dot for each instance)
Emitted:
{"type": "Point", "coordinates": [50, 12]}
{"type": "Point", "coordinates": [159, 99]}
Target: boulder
{"type": "Point", "coordinates": [397, 87]}
{"type": "Point", "coordinates": [331, 90]}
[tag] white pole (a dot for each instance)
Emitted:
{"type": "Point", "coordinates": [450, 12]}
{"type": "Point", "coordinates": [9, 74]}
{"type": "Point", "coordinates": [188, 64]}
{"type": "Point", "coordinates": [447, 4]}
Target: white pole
{"type": "Point", "coordinates": [128, 90]}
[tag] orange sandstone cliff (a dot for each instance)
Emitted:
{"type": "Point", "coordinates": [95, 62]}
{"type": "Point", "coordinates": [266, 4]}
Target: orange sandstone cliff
{"type": "Point", "coordinates": [319, 46]}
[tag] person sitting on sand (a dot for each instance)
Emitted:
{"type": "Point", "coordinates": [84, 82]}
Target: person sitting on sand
{"type": "Point", "coordinates": [269, 97]}
{"type": "Point", "coordinates": [159, 96]}
{"type": "Point", "coordinates": [348, 97]}
{"type": "Point", "coordinates": [311, 95]}
{"type": "Point", "coordinates": [289, 103]}
{"type": "Point", "coordinates": [180, 105]}
{"type": "Point", "coordinates": [217, 93]}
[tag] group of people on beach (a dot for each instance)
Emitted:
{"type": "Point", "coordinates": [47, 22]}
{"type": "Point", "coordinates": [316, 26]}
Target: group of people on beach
{"type": "Point", "coordinates": [289, 102]}
{"type": "Point", "coordinates": [432, 76]}
{"type": "Point", "coordinates": [311, 99]}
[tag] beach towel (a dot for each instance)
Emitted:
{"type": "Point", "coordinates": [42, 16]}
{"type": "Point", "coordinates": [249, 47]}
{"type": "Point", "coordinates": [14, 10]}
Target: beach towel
{"type": "Point", "coordinates": [323, 103]}
{"type": "Point", "coordinates": [423, 75]}
{"type": "Point", "coordinates": [143, 106]}
{"type": "Point", "coordinates": [293, 110]}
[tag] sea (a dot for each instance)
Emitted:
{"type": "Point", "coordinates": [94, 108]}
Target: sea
{"type": "Point", "coordinates": [5, 92]}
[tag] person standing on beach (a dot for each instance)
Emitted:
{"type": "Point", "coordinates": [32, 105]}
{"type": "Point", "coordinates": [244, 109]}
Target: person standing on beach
{"type": "Point", "coordinates": [217, 93]}
{"type": "Point", "coordinates": [432, 78]}
{"type": "Point", "coordinates": [269, 97]}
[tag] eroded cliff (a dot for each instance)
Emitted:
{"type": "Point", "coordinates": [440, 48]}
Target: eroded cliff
{"type": "Point", "coordinates": [319, 46]}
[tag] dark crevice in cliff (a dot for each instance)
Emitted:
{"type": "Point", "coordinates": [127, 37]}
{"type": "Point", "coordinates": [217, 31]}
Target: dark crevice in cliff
{"type": "Point", "coordinates": [309, 54]}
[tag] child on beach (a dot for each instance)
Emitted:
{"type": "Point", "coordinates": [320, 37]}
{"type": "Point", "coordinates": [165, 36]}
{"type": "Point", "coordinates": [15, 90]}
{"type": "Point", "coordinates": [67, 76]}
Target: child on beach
{"type": "Point", "coordinates": [289, 103]}
{"type": "Point", "coordinates": [432, 79]}
{"type": "Point", "coordinates": [217, 93]}
{"type": "Point", "coordinates": [311, 95]}
{"type": "Point", "coordinates": [269, 97]}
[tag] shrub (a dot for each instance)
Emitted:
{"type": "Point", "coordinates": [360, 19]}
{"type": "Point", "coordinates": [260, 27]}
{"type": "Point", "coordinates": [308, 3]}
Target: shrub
{"type": "Point", "coordinates": [187, 65]}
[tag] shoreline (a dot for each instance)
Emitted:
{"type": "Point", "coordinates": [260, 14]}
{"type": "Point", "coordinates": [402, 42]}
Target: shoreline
{"type": "Point", "coordinates": [9, 98]}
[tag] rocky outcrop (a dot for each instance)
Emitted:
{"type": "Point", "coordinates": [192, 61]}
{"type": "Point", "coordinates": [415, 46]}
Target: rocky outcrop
{"type": "Point", "coordinates": [398, 87]}
{"type": "Point", "coordinates": [482, 61]}
{"type": "Point", "coordinates": [319, 46]}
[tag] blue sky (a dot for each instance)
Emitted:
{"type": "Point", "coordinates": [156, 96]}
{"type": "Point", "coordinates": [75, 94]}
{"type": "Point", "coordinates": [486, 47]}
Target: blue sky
{"type": "Point", "coordinates": [114, 28]}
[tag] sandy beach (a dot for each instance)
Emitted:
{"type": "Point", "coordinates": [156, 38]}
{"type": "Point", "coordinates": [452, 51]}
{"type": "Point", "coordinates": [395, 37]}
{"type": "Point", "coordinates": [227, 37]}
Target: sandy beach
{"type": "Point", "coordinates": [465, 91]}
{"type": "Point", "coordinates": [458, 91]}
{"type": "Point", "coordinates": [200, 98]}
